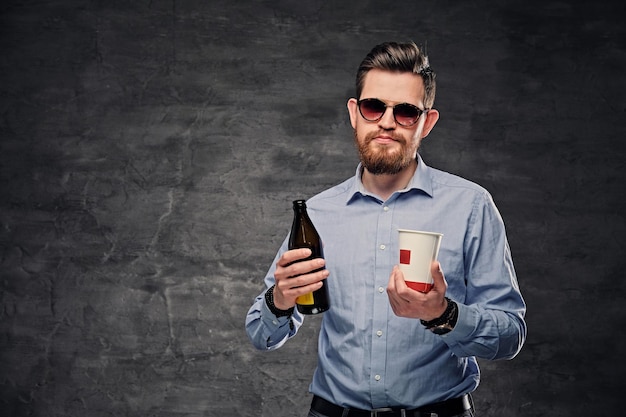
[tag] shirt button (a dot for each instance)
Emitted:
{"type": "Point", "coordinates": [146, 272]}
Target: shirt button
{"type": "Point", "coordinates": [386, 208]}
{"type": "Point", "coordinates": [382, 247]}
{"type": "Point", "coordinates": [377, 377]}
{"type": "Point", "coordinates": [381, 290]}
{"type": "Point", "coordinates": [379, 333]}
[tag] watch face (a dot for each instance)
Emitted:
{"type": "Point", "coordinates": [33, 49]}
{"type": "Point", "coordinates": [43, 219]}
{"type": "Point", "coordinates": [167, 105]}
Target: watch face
{"type": "Point", "coordinates": [441, 329]}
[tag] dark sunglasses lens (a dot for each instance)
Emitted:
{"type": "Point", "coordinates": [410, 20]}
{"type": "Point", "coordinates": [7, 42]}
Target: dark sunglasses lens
{"type": "Point", "coordinates": [372, 109]}
{"type": "Point", "coordinates": [406, 114]}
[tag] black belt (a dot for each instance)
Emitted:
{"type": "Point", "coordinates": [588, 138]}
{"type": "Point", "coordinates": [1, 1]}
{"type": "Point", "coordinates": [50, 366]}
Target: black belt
{"type": "Point", "coordinates": [448, 408]}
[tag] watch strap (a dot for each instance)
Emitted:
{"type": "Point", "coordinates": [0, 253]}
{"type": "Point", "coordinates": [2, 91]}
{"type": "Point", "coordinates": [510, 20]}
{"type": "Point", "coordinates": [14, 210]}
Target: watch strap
{"type": "Point", "coordinates": [448, 319]}
{"type": "Point", "coordinates": [269, 300]}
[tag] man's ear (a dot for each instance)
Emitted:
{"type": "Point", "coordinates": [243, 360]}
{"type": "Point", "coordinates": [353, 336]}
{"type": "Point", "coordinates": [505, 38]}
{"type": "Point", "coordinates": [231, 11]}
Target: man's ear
{"type": "Point", "coordinates": [431, 119]}
{"type": "Point", "coordinates": [354, 111]}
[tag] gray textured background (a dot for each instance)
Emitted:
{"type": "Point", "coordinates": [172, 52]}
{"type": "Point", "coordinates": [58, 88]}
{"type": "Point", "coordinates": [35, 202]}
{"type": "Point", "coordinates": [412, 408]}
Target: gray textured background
{"type": "Point", "coordinates": [150, 151]}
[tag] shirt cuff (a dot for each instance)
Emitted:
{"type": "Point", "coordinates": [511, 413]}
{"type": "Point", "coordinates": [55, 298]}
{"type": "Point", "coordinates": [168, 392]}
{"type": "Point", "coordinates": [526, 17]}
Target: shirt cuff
{"type": "Point", "coordinates": [276, 329]}
{"type": "Point", "coordinates": [465, 324]}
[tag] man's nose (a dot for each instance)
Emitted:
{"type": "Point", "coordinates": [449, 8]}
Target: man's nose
{"type": "Point", "coordinates": [387, 121]}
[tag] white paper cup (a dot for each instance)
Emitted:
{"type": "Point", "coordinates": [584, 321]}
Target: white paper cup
{"type": "Point", "coordinates": [418, 250]}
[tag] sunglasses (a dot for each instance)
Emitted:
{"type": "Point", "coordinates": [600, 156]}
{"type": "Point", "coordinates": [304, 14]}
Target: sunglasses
{"type": "Point", "coordinates": [405, 114]}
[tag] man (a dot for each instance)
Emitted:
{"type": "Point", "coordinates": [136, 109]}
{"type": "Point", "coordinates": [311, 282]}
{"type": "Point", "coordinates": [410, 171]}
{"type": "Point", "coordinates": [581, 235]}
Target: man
{"type": "Point", "coordinates": [385, 349]}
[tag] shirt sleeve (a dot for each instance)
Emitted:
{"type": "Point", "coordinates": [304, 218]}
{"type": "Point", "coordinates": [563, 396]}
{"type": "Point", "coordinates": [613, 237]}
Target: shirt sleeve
{"type": "Point", "coordinates": [491, 322]}
{"type": "Point", "coordinates": [265, 330]}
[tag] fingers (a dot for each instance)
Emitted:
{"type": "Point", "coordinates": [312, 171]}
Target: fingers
{"type": "Point", "coordinates": [286, 291]}
{"type": "Point", "coordinates": [406, 302]}
{"type": "Point", "coordinates": [294, 263]}
{"type": "Point", "coordinates": [292, 256]}
{"type": "Point", "coordinates": [296, 276]}
{"type": "Point", "coordinates": [301, 273]}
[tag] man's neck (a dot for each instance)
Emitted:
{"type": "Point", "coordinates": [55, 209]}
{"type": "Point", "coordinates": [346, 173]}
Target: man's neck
{"type": "Point", "coordinates": [384, 185]}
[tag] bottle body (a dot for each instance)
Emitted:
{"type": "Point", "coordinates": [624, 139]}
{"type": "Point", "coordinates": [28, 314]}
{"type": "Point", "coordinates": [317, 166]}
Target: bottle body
{"type": "Point", "coordinates": [304, 235]}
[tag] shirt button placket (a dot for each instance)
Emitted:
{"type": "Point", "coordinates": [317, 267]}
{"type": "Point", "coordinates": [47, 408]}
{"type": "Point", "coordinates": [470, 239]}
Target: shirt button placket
{"type": "Point", "coordinates": [380, 311]}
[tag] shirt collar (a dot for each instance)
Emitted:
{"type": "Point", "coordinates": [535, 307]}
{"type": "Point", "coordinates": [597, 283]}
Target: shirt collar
{"type": "Point", "coordinates": [421, 180]}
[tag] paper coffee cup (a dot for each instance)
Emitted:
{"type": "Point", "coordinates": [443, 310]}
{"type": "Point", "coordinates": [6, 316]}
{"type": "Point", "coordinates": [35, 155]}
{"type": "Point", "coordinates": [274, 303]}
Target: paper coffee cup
{"type": "Point", "coordinates": [418, 250]}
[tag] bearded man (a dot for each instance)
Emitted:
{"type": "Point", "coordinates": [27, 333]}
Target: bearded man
{"type": "Point", "coordinates": [385, 349]}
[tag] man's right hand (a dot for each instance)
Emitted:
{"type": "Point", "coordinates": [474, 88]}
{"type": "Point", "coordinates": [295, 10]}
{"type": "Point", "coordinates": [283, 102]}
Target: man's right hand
{"type": "Point", "coordinates": [294, 278]}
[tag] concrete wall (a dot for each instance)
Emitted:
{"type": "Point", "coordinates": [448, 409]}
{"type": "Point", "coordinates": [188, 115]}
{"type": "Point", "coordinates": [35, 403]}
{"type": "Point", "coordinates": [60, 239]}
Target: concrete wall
{"type": "Point", "coordinates": [150, 151]}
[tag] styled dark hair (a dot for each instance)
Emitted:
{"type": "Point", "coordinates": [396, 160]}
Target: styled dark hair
{"type": "Point", "coordinates": [399, 57]}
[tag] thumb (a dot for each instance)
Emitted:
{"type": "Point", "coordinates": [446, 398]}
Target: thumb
{"type": "Point", "coordinates": [439, 281]}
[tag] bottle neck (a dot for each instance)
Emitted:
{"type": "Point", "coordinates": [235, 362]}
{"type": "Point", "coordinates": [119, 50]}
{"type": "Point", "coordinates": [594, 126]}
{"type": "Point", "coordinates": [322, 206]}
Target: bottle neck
{"type": "Point", "coordinates": [299, 206]}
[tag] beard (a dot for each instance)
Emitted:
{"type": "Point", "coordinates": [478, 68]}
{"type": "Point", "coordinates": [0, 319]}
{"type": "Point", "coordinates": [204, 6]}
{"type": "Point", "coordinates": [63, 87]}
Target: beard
{"type": "Point", "coordinates": [379, 160]}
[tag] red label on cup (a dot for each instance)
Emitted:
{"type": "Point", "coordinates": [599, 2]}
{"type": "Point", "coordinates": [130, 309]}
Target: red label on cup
{"type": "Point", "coordinates": [405, 256]}
{"type": "Point", "coordinates": [419, 286]}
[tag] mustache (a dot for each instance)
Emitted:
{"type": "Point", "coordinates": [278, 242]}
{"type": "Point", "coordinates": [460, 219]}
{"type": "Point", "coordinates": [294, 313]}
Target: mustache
{"type": "Point", "coordinates": [393, 135]}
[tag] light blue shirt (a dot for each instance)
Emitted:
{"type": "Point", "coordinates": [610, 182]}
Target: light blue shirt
{"type": "Point", "coordinates": [367, 356]}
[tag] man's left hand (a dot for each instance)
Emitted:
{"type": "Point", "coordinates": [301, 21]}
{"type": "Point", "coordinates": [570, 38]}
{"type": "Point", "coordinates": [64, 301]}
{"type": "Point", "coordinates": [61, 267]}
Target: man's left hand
{"type": "Point", "coordinates": [407, 302]}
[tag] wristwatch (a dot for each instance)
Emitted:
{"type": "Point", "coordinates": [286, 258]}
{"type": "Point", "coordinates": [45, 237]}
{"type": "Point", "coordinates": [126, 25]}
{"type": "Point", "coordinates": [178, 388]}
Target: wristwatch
{"type": "Point", "coordinates": [269, 299]}
{"type": "Point", "coordinates": [446, 322]}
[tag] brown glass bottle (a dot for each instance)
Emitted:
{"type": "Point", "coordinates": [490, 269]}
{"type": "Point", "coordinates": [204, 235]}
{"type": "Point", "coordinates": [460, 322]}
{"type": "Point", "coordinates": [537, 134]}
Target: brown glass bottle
{"type": "Point", "coordinates": [304, 235]}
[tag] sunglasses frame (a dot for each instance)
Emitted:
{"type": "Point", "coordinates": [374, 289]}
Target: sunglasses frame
{"type": "Point", "coordinates": [418, 110]}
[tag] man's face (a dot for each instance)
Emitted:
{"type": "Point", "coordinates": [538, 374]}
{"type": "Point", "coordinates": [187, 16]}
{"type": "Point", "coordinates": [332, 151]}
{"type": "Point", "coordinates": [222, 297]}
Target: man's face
{"type": "Point", "coordinates": [386, 147]}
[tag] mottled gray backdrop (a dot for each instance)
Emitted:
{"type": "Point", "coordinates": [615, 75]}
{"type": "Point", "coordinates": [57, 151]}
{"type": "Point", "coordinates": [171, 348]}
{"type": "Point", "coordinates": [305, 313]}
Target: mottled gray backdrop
{"type": "Point", "coordinates": [150, 151]}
